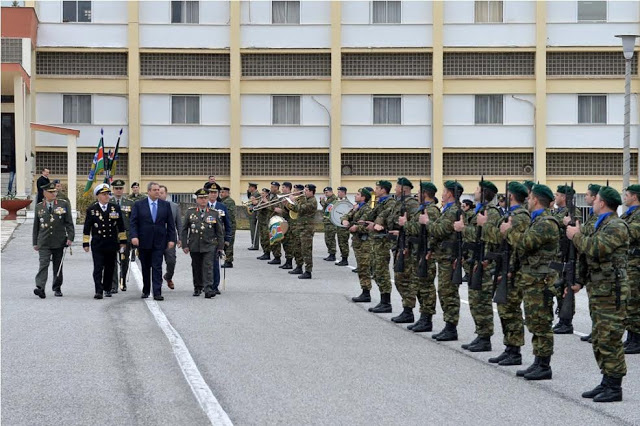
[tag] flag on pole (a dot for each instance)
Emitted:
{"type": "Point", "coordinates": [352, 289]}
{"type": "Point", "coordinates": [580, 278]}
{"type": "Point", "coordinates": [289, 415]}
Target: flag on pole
{"type": "Point", "coordinates": [113, 157]}
{"type": "Point", "coordinates": [97, 165]}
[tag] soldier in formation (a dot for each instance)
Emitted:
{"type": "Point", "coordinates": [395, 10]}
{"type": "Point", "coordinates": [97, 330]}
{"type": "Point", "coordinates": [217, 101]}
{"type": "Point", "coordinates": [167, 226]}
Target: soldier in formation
{"type": "Point", "coordinates": [326, 202]}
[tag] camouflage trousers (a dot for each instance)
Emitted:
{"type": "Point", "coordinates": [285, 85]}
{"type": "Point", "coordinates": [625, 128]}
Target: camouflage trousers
{"type": "Point", "coordinates": [511, 320]}
{"type": "Point", "coordinates": [287, 243]}
{"type": "Point", "coordinates": [294, 238]}
{"type": "Point", "coordinates": [537, 293]}
{"type": "Point", "coordinates": [263, 230]}
{"type": "Point", "coordinates": [607, 329]}
{"type": "Point", "coordinates": [633, 303]}
{"type": "Point", "coordinates": [330, 237]}
{"type": "Point", "coordinates": [427, 290]}
{"type": "Point", "coordinates": [343, 241]}
{"type": "Point", "coordinates": [362, 249]}
{"type": "Point", "coordinates": [306, 245]}
{"type": "Point", "coordinates": [448, 292]}
{"type": "Point", "coordinates": [228, 252]}
{"type": "Point", "coordinates": [481, 305]}
{"type": "Point", "coordinates": [407, 281]}
{"type": "Point", "coordinates": [381, 249]}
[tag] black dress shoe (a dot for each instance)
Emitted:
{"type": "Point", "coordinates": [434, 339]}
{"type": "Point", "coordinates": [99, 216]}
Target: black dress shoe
{"type": "Point", "coordinates": [144, 296]}
{"type": "Point", "coordinates": [305, 276]}
{"type": "Point", "coordinates": [107, 294]}
{"type": "Point", "coordinates": [209, 295]}
{"type": "Point", "coordinates": [197, 292]}
{"type": "Point", "coordinates": [158, 297]}
{"type": "Point", "coordinates": [124, 287]}
{"type": "Point", "coordinates": [39, 292]}
{"type": "Point", "coordinates": [57, 293]}
{"type": "Point", "coordinates": [216, 291]}
{"type": "Point", "coordinates": [97, 296]}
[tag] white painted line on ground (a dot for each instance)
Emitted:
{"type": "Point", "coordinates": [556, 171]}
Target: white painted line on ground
{"type": "Point", "coordinates": [466, 302]}
{"type": "Point", "coordinates": [202, 392]}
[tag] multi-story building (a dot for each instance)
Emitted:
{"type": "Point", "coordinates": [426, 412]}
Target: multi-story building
{"type": "Point", "coordinates": [330, 92]}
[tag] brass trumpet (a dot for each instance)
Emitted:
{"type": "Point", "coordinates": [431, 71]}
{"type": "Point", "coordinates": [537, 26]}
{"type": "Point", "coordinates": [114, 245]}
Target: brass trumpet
{"type": "Point", "coordinates": [280, 198]}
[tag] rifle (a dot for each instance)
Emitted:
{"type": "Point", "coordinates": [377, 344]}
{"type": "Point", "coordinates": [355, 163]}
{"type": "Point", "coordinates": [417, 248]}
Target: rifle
{"type": "Point", "coordinates": [423, 244]}
{"type": "Point", "coordinates": [477, 266]}
{"type": "Point", "coordinates": [502, 258]}
{"type": "Point", "coordinates": [567, 267]}
{"type": "Point", "coordinates": [402, 243]}
{"type": "Point", "coordinates": [456, 277]}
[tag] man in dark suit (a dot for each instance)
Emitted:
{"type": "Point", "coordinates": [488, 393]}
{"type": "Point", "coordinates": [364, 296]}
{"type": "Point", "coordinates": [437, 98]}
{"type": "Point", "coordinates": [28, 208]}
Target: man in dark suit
{"type": "Point", "coordinates": [42, 181]}
{"type": "Point", "coordinates": [152, 230]}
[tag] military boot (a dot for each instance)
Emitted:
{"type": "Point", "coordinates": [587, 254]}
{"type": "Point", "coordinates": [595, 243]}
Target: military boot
{"type": "Point", "coordinates": [405, 317]}
{"type": "Point", "coordinates": [612, 391]}
{"type": "Point", "coordinates": [542, 371]}
{"type": "Point", "coordinates": [586, 338]}
{"type": "Point", "coordinates": [563, 327]}
{"type": "Point", "coordinates": [365, 297]}
{"type": "Point", "coordinates": [597, 390]}
{"type": "Point", "coordinates": [513, 358]}
{"type": "Point", "coordinates": [305, 276]}
{"type": "Point", "coordinates": [275, 261]}
{"type": "Point", "coordinates": [449, 333]}
{"type": "Point", "coordinates": [504, 355]}
{"type": "Point", "coordinates": [521, 373]}
{"type": "Point", "coordinates": [424, 324]}
{"type": "Point", "coordinates": [265, 256]}
{"type": "Point", "coordinates": [634, 346]}
{"type": "Point", "coordinates": [343, 262]}
{"type": "Point", "coordinates": [483, 345]}
{"type": "Point", "coordinates": [287, 265]}
{"type": "Point", "coordinates": [384, 307]}
{"type": "Point", "coordinates": [330, 258]}
{"type": "Point", "coordinates": [296, 271]}
{"type": "Point", "coordinates": [473, 342]}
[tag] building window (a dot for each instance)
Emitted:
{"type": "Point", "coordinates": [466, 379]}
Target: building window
{"type": "Point", "coordinates": [387, 110]}
{"type": "Point", "coordinates": [286, 110]}
{"type": "Point", "coordinates": [488, 11]}
{"type": "Point", "coordinates": [76, 109]}
{"type": "Point", "coordinates": [185, 109]}
{"type": "Point", "coordinates": [386, 12]}
{"type": "Point", "coordinates": [76, 11]}
{"type": "Point", "coordinates": [592, 109]}
{"type": "Point", "coordinates": [592, 11]}
{"type": "Point", "coordinates": [285, 12]}
{"type": "Point", "coordinates": [489, 109]}
{"type": "Point", "coordinates": [185, 12]}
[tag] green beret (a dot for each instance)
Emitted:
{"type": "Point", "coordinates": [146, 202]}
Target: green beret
{"type": "Point", "coordinates": [610, 196]}
{"type": "Point", "coordinates": [201, 193]}
{"type": "Point", "coordinates": [565, 189]}
{"type": "Point", "coordinates": [528, 184]}
{"type": "Point", "coordinates": [365, 192]}
{"type": "Point", "coordinates": [119, 183]}
{"type": "Point", "coordinates": [488, 185]}
{"type": "Point", "coordinates": [542, 191]}
{"type": "Point", "coordinates": [634, 188]}
{"type": "Point", "coordinates": [405, 182]}
{"type": "Point", "coordinates": [49, 187]}
{"type": "Point", "coordinates": [594, 188]}
{"type": "Point", "coordinates": [428, 186]}
{"type": "Point", "coordinates": [517, 188]}
{"type": "Point", "coordinates": [454, 186]}
{"type": "Point", "coordinates": [384, 184]}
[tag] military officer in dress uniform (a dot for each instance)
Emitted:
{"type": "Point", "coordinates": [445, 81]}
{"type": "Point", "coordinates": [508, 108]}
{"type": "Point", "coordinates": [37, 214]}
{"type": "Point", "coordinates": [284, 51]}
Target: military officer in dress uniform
{"type": "Point", "coordinates": [202, 237]}
{"type": "Point", "coordinates": [104, 230]}
{"type": "Point", "coordinates": [52, 232]}
{"type": "Point", "coordinates": [125, 207]}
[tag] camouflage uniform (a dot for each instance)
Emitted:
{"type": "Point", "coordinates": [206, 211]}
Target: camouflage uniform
{"type": "Point", "coordinates": [633, 270]}
{"type": "Point", "coordinates": [536, 248]}
{"type": "Point", "coordinates": [329, 228]}
{"type": "Point", "coordinates": [263, 229]}
{"type": "Point", "coordinates": [381, 245]}
{"type": "Point", "coordinates": [343, 238]}
{"type": "Point", "coordinates": [361, 242]}
{"type": "Point", "coordinates": [560, 213]}
{"type": "Point", "coordinates": [231, 210]}
{"type": "Point", "coordinates": [407, 281]}
{"type": "Point", "coordinates": [253, 221]}
{"type": "Point", "coordinates": [606, 254]}
{"type": "Point", "coordinates": [427, 296]}
{"type": "Point", "coordinates": [276, 248]}
{"type": "Point", "coordinates": [306, 209]}
{"type": "Point", "coordinates": [441, 231]}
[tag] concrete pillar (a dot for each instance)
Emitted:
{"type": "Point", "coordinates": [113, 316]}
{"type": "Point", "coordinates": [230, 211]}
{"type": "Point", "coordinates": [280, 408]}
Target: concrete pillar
{"type": "Point", "coordinates": [235, 136]}
{"type": "Point", "coordinates": [133, 144]}
{"type": "Point", "coordinates": [540, 148]}
{"type": "Point", "coordinates": [20, 133]}
{"type": "Point", "coordinates": [437, 121]}
{"type": "Point", "coordinates": [72, 169]}
{"type": "Point", "coordinates": [335, 125]}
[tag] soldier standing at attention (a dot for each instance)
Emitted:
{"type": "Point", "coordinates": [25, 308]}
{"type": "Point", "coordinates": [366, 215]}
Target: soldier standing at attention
{"type": "Point", "coordinates": [354, 221]}
{"type": "Point", "coordinates": [306, 207]}
{"type": "Point", "coordinates": [381, 245]}
{"type": "Point", "coordinates": [294, 234]}
{"type": "Point", "coordinates": [606, 252]}
{"type": "Point", "coordinates": [203, 239]}
{"type": "Point", "coordinates": [329, 228]}
{"type": "Point", "coordinates": [444, 238]}
{"type": "Point", "coordinates": [104, 229]}
{"type": "Point", "coordinates": [426, 286]}
{"type": "Point", "coordinates": [263, 226]}
{"type": "Point", "coordinates": [61, 195]}
{"type": "Point", "coordinates": [563, 326]}
{"type": "Point", "coordinates": [536, 248]}
{"type": "Point", "coordinates": [276, 248]}
{"type": "Point", "coordinates": [632, 217]}
{"type": "Point", "coordinates": [254, 197]}
{"type": "Point", "coordinates": [230, 204]}
{"type": "Point", "coordinates": [125, 207]}
{"type": "Point", "coordinates": [287, 243]}
{"type": "Point", "coordinates": [407, 280]}
{"type": "Point", "coordinates": [343, 233]}
{"type": "Point", "coordinates": [52, 231]}
{"type": "Point", "coordinates": [135, 192]}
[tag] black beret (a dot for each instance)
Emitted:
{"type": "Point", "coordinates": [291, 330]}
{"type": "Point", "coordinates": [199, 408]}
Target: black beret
{"type": "Point", "coordinates": [342, 188]}
{"type": "Point", "coordinates": [327, 188]}
{"type": "Point", "coordinates": [310, 186]}
{"type": "Point", "coordinates": [405, 182]}
{"type": "Point", "coordinates": [287, 184]}
{"type": "Point", "coordinates": [274, 183]}
{"type": "Point", "coordinates": [56, 181]}
{"type": "Point", "coordinates": [298, 186]}
{"type": "Point", "coordinates": [428, 186]}
{"type": "Point", "coordinates": [135, 184]}
{"type": "Point", "coordinates": [384, 184]}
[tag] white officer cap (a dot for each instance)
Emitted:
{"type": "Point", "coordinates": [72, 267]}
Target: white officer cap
{"type": "Point", "coordinates": [102, 188]}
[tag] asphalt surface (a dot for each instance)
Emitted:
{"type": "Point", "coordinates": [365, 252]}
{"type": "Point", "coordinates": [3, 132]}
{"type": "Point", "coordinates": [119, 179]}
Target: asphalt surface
{"type": "Point", "coordinates": [273, 350]}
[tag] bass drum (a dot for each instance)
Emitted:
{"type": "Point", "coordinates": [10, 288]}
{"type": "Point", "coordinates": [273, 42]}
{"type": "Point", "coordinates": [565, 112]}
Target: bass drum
{"type": "Point", "coordinates": [278, 226]}
{"type": "Point", "coordinates": [340, 208]}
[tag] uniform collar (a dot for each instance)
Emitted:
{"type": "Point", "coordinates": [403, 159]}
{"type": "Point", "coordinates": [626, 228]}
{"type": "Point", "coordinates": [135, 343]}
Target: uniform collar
{"type": "Point", "coordinates": [601, 219]}
{"type": "Point", "coordinates": [446, 206]}
{"type": "Point", "coordinates": [629, 210]}
{"type": "Point", "coordinates": [536, 213]}
{"type": "Point", "coordinates": [383, 199]}
{"type": "Point", "coordinates": [512, 208]}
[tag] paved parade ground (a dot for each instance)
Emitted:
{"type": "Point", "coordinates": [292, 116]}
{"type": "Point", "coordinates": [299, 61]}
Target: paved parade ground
{"type": "Point", "coordinates": [271, 349]}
